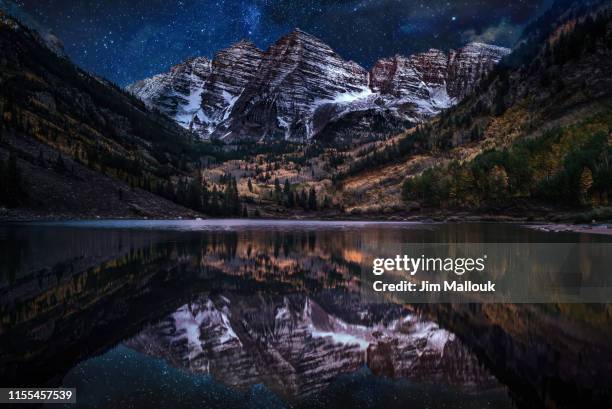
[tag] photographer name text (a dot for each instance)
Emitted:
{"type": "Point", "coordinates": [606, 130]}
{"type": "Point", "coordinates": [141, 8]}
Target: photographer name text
{"type": "Point", "coordinates": [410, 266]}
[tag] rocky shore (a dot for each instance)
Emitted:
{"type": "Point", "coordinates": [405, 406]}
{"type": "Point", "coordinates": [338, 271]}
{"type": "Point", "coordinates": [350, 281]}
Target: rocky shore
{"type": "Point", "coordinates": [573, 228]}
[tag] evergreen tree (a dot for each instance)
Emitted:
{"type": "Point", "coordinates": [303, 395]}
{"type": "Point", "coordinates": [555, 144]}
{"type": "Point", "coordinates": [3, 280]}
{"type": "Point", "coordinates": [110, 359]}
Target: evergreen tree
{"type": "Point", "coordinates": [41, 158]}
{"type": "Point", "coordinates": [312, 199]}
{"type": "Point", "coordinates": [230, 197]}
{"type": "Point", "coordinates": [169, 192]}
{"type": "Point", "coordinates": [59, 165]}
{"type": "Point", "coordinates": [11, 190]}
{"type": "Point", "coordinates": [327, 202]}
{"type": "Point", "coordinates": [288, 194]}
{"type": "Point", "coordinates": [278, 193]}
{"type": "Point", "coordinates": [236, 207]}
{"type": "Point", "coordinates": [290, 199]}
{"type": "Point", "coordinates": [182, 192]}
{"type": "Point", "coordinates": [146, 184]}
{"type": "Point", "coordinates": [13, 181]}
{"type": "Point", "coordinates": [195, 195]}
{"type": "Point", "coordinates": [214, 202]}
{"type": "Point", "coordinates": [303, 199]}
{"type": "Point", "coordinates": [2, 182]}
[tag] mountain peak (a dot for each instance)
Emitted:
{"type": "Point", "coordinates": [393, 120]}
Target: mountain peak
{"type": "Point", "coordinates": [197, 59]}
{"type": "Point", "coordinates": [299, 32]}
{"type": "Point", "coordinates": [243, 43]}
{"type": "Point", "coordinates": [299, 35]}
{"type": "Point", "coordinates": [243, 46]}
{"type": "Point", "coordinates": [191, 61]}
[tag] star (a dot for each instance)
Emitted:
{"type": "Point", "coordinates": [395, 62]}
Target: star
{"type": "Point", "coordinates": [128, 40]}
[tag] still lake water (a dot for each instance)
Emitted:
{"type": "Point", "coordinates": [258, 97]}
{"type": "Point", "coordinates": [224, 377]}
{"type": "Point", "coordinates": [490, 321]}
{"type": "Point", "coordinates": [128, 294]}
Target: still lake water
{"type": "Point", "coordinates": [249, 314]}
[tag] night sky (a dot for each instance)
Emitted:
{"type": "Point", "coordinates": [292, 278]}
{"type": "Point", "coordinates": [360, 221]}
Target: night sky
{"type": "Point", "coordinates": [127, 40]}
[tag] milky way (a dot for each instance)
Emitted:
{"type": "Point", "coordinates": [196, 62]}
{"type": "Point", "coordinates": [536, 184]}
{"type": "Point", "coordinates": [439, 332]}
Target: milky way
{"type": "Point", "coordinates": [129, 40]}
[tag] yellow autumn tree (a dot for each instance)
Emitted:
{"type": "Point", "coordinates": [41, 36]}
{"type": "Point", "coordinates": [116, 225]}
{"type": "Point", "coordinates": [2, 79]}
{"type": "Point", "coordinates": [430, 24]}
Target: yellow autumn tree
{"type": "Point", "coordinates": [586, 183]}
{"type": "Point", "coordinates": [498, 182]}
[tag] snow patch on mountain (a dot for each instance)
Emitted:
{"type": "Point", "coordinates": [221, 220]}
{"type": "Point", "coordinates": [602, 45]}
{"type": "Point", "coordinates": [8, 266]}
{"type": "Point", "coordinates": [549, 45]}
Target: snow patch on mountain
{"type": "Point", "coordinates": [177, 93]}
{"type": "Point", "coordinates": [341, 338]}
{"type": "Point", "coordinates": [187, 327]}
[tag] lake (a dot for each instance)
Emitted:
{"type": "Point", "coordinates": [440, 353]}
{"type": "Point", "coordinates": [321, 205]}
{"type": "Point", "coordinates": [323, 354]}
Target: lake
{"type": "Point", "coordinates": [243, 313]}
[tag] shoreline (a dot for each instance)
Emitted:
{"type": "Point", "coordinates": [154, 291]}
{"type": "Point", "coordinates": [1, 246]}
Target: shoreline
{"type": "Point", "coordinates": [562, 217]}
{"type": "Point", "coordinates": [602, 229]}
{"type": "Point", "coordinates": [530, 222]}
{"type": "Point", "coordinates": [27, 217]}
{"type": "Point", "coordinates": [544, 217]}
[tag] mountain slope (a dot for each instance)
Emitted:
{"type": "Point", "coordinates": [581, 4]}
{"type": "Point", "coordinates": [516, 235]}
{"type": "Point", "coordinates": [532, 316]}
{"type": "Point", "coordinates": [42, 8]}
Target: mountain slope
{"type": "Point", "coordinates": [48, 37]}
{"type": "Point", "coordinates": [232, 69]}
{"type": "Point", "coordinates": [81, 135]}
{"type": "Point", "coordinates": [176, 93]}
{"type": "Point", "coordinates": [536, 131]}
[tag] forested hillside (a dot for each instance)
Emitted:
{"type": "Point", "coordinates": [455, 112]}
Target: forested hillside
{"type": "Point", "coordinates": [73, 143]}
{"type": "Point", "coordinates": [535, 132]}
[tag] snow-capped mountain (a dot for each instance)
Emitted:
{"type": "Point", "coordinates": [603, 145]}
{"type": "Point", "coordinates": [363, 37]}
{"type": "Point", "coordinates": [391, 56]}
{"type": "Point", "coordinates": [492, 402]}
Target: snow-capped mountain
{"type": "Point", "coordinates": [296, 347]}
{"type": "Point", "coordinates": [468, 65]}
{"type": "Point", "coordinates": [177, 93]}
{"type": "Point", "coordinates": [434, 80]}
{"type": "Point", "coordinates": [296, 75]}
{"type": "Point", "coordinates": [300, 87]}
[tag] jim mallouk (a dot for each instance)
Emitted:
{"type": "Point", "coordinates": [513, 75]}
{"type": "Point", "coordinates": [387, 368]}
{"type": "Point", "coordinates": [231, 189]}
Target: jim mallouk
{"type": "Point", "coordinates": [413, 265]}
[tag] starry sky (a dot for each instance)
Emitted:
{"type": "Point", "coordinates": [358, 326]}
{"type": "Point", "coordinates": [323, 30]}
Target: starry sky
{"type": "Point", "coordinates": [127, 40]}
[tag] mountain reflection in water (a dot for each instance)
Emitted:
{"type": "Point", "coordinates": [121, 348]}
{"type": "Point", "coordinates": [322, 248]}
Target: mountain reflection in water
{"type": "Point", "coordinates": [238, 314]}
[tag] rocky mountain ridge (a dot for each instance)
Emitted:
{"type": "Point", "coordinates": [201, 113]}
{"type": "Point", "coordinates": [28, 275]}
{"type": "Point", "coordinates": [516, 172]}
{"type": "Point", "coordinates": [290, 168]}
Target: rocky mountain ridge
{"type": "Point", "coordinates": [299, 86]}
{"type": "Point", "coordinates": [44, 35]}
